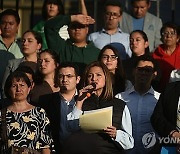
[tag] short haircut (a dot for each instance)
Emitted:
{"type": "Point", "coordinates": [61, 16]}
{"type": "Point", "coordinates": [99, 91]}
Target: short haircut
{"type": "Point", "coordinates": [147, 1]}
{"type": "Point", "coordinates": [114, 3]}
{"type": "Point", "coordinates": [18, 75]}
{"type": "Point", "coordinates": [69, 64]}
{"type": "Point", "coordinates": [146, 58]}
{"type": "Point", "coordinates": [10, 12]}
{"type": "Point", "coordinates": [56, 2]}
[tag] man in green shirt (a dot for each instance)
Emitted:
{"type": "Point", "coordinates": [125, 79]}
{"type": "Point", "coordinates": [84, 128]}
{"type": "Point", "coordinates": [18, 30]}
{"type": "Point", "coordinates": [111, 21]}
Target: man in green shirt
{"type": "Point", "coordinates": [76, 49]}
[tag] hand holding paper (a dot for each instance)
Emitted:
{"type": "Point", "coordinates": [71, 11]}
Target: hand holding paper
{"type": "Point", "coordinates": [96, 120]}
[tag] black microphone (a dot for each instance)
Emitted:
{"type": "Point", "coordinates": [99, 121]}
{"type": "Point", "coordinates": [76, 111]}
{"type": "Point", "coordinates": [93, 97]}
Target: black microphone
{"type": "Point", "coordinates": [88, 92]}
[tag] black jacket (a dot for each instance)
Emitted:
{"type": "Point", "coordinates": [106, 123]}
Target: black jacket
{"type": "Point", "coordinates": [51, 104]}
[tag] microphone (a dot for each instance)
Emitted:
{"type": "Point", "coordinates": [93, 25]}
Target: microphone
{"type": "Point", "coordinates": [88, 92]}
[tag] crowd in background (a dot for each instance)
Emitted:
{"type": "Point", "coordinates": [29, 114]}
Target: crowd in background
{"type": "Point", "coordinates": [58, 70]}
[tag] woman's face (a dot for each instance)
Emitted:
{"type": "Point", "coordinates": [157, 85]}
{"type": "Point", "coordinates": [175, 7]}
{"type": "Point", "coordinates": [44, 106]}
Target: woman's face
{"type": "Point", "coordinates": [138, 44]}
{"type": "Point", "coordinates": [110, 60]}
{"type": "Point", "coordinates": [96, 75]}
{"type": "Point", "coordinates": [29, 44]}
{"type": "Point", "coordinates": [170, 37]}
{"type": "Point", "coordinates": [52, 10]}
{"type": "Point", "coordinates": [19, 90]}
{"type": "Point", "coordinates": [47, 64]}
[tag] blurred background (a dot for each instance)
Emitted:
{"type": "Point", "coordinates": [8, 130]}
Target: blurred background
{"type": "Point", "coordinates": [30, 10]}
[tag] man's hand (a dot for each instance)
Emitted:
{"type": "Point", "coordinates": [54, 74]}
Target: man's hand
{"type": "Point", "coordinates": [83, 19]}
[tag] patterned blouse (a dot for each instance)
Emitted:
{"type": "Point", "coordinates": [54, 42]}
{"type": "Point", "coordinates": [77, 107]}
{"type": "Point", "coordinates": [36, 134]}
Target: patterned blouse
{"type": "Point", "coordinates": [28, 129]}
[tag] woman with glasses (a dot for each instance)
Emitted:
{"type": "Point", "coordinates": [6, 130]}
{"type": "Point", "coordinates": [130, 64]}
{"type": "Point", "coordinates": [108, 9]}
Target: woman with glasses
{"type": "Point", "coordinates": [168, 53]}
{"type": "Point", "coordinates": [110, 57]}
{"type": "Point", "coordinates": [45, 79]}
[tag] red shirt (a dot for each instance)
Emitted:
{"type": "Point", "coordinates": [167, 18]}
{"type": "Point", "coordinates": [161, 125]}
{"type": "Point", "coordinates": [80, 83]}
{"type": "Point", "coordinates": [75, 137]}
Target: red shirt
{"type": "Point", "coordinates": [167, 63]}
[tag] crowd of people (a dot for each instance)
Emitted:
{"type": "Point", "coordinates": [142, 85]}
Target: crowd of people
{"type": "Point", "coordinates": [59, 71]}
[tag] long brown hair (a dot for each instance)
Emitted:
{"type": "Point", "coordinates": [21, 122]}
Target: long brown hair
{"type": "Point", "coordinates": [107, 92]}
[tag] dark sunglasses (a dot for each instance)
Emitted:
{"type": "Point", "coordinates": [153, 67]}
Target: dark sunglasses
{"type": "Point", "coordinates": [77, 26]}
{"type": "Point", "coordinates": [146, 69]}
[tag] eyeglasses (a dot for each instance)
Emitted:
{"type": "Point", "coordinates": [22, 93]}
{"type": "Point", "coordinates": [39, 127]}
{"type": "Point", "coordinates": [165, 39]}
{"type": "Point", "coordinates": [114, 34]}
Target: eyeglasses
{"type": "Point", "coordinates": [112, 14]}
{"type": "Point", "coordinates": [111, 57]}
{"type": "Point", "coordinates": [69, 76]}
{"type": "Point", "coordinates": [169, 33]}
{"type": "Point", "coordinates": [146, 69]}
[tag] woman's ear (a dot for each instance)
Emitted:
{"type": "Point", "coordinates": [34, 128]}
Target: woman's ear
{"type": "Point", "coordinates": [146, 44]}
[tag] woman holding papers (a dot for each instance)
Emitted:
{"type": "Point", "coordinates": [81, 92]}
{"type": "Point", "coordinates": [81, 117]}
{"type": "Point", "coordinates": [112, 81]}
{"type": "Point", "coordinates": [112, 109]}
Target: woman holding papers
{"type": "Point", "coordinates": [114, 138]}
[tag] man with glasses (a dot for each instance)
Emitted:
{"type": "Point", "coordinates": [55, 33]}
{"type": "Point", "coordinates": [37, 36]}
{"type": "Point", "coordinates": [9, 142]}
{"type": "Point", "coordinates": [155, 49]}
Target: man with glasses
{"type": "Point", "coordinates": [141, 100]}
{"type": "Point", "coordinates": [59, 105]}
{"type": "Point", "coordinates": [110, 32]}
{"type": "Point", "coordinates": [140, 19]}
{"type": "Point", "coordinates": [76, 49]}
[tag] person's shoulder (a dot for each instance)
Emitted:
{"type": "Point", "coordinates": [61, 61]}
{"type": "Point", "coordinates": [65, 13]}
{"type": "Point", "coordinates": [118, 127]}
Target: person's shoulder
{"type": "Point", "coordinates": [152, 16]}
{"type": "Point", "coordinates": [117, 100]}
{"type": "Point", "coordinates": [126, 15]}
{"type": "Point", "coordinates": [48, 97]}
{"type": "Point", "coordinates": [94, 34]}
{"type": "Point", "coordinates": [173, 86]}
{"type": "Point", "coordinates": [91, 45]}
{"type": "Point", "coordinates": [15, 60]}
{"type": "Point", "coordinates": [124, 34]}
{"type": "Point", "coordinates": [40, 23]}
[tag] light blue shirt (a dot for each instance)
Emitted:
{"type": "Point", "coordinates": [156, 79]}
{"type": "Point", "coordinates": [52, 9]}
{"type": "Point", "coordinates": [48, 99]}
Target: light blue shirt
{"type": "Point", "coordinates": [67, 126]}
{"type": "Point", "coordinates": [101, 38]}
{"type": "Point", "coordinates": [141, 108]}
{"type": "Point", "coordinates": [138, 24]}
{"type": "Point", "coordinates": [15, 48]}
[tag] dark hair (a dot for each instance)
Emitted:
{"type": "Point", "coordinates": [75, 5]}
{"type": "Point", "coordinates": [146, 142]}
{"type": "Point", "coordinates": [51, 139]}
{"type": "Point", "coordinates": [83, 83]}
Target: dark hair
{"type": "Point", "coordinates": [170, 25]}
{"type": "Point", "coordinates": [36, 35]}
{"type": "Point", "coordinates": [53, 54]}
{"type": "Point", "coordinates": [69, 64]}
{"type": "Point", "coordinates": [114, 3]}
{"type": "Point", "coordinates": [56, 2]}
{"type": "Point", "coordinates": [26, 69]}
{"type": "Point", "coordinates": [146, 58]}
{"type": "Point", "coordinates": [65, 65]}
{"type": "Point", "coordinates": [107, 92]}
{"type": "Point", "coordinates": [144, 36]}
{"type": "Point", "coordinates": [10, 12]}
{"type": "Point", "coordinates": [119, 76]}
{"type": "Point", "coordinates": [147, 1]}
{"type": "Point", "coordinates": [18, 75]}
{"type": "Point", "coordinates": [55, 57]}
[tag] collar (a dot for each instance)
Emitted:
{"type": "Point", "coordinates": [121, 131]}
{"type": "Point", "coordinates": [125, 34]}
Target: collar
{"type": "Point", "coordinates": [132, 90]}
{"type": "Point", "coordinates": [104, 31]}
{"type": "Point", "coordinates": [73, 98]}
{"type": "Point", "coordinates": [16, 39]}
